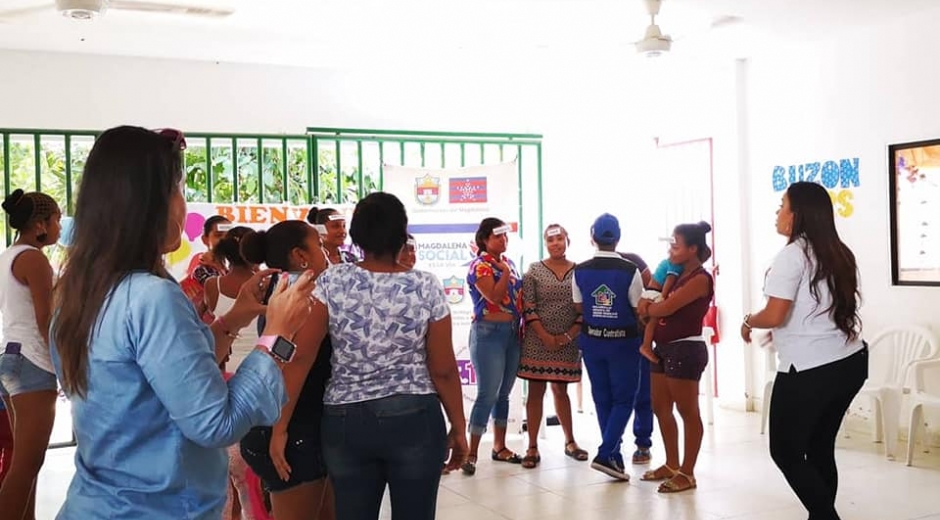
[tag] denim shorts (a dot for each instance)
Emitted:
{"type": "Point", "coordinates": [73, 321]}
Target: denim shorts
{"type": "Point", "coordinates": [19, 375]}
{"type": "Point", "coordinates": [681, 360]}
{"type": "Point", "coordinates": [303, 452]}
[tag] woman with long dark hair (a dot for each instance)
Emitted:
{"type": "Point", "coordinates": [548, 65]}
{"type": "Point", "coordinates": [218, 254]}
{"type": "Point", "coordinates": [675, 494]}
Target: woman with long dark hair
{"type": "Point", "coordinates": [812, 308]}
{"type": "Point", "coordinates": [152, 413]}
{"type": "Point", "coordinates": [288, 456]}
{"type": "Point", "coordinates": [682, 356]}
{"type": "Point", "coordinates": [27, 381]}
{"type": "Point", "coordinates": [495, 347]}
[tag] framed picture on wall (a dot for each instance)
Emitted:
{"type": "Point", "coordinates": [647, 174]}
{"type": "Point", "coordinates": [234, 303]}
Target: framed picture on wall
{"type": "Point", "coordinates": [914, 191]}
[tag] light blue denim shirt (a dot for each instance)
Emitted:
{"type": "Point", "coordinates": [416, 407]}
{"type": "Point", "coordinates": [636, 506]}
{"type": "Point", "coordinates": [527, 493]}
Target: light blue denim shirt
{"type": "Point", "coordinates": [158, 415]}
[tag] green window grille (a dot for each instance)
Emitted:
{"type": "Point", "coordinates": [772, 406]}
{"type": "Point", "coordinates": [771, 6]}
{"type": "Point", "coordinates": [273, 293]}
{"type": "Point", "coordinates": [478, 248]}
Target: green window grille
{"type": "Point", "coordinates": [322, 166]}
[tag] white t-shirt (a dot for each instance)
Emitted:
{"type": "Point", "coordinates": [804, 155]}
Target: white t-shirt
{"type": "Point", "coordinates": [19, 315]}
{"type": "Point", "coordinates": [808, 338]}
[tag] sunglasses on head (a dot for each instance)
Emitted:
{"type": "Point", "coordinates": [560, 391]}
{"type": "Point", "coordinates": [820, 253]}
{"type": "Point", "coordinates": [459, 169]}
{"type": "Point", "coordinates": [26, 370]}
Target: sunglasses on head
{"type": "Point", "coordinates": [179, 140]}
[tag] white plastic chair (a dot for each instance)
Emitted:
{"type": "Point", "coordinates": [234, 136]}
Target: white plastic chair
{"type": "Point", "coordinates": [921, 400]}
{"type": "Point", "coordinates": [892, 353]}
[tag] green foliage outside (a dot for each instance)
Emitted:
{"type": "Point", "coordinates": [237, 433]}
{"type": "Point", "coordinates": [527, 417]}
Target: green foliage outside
{"type": "Point", "coordinates": [53, 178]}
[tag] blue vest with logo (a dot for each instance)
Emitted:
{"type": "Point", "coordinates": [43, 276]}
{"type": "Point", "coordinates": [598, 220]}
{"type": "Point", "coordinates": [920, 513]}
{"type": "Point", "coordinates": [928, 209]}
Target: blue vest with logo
{"type": "Point", "coordinates": [605, 290]}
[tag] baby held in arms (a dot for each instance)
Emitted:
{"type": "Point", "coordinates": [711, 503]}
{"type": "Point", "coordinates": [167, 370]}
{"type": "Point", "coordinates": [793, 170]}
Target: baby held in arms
{"type": "Point", "coordinates": [660, 286]}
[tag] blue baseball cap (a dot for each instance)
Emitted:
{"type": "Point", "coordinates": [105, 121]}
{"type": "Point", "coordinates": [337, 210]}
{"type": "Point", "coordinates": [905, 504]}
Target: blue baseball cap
{"type": "Point", "coordinates": [606, 230]}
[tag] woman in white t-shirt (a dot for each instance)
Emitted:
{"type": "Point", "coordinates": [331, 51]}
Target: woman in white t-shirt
{"type": "Point", "coordinates": [812, 309]}
{"type": "Point", "coordinates": [27, 379]}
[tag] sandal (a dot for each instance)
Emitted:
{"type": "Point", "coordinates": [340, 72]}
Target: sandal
{"type": "Point", "coordinates": [577, 453]}
{"type": "Point", "coordinates": [642, 456]}
{"type": "Point", "coordinates": [511, 458]}
{"type": "Point", "coordinates": [469, 468]}
{"type": "Point", "coordinates": [674, 485]}
{"type": "Point", "coordinates": [659, 474]}
{"type": "Point", "coordinates": [531, 461]}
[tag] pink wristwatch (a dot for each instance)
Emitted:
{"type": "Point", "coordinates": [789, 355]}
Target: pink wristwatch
{"type": "Point", "coordinates": [279, 347]}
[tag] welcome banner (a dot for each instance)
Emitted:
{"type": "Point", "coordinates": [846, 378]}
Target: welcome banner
{"type": "Point", "coordinates": [445, 207]}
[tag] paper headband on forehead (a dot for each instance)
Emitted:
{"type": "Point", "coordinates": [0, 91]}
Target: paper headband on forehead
{"type": "Point", "coordinates": [225, 228]}
{"type": "Point", "coordinates": [336, 216]}
{"type": "Point", "coordinates": [502, 230]}
{"type": "Point", "coordinates": [321, 229]}
{"type": "Point", "coordinates": [553, 231]}
{"type": "Point", "coordinates": [411, 243]}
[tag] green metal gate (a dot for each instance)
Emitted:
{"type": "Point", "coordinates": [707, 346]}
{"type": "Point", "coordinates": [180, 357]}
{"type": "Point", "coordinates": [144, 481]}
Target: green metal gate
{"type": "Point", "coordinates": [323, 166]}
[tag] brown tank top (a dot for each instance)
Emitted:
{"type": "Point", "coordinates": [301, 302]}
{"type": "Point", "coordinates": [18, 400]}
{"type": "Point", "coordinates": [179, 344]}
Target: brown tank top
{"type": "Point", "coordinates": [687, 321]}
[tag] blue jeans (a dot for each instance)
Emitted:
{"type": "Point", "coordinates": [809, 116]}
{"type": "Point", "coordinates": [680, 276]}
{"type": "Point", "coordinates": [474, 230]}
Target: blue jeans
{"type": "Point", "coordinates": [399, 442]}
{"type": "Point", "coordinates": [613, 368]}
{"type": "Point", "coordinates": [643, 408]}
{"type": "Point", "coordinates": [495, 353]}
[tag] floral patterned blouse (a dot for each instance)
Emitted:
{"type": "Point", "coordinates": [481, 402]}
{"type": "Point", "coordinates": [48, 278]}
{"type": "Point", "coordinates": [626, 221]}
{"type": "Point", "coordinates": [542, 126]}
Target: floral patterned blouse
{"type": "Point", "coordinates": [483, 267]}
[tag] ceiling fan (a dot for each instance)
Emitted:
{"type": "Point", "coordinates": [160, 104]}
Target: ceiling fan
{"type": "Point", "coordinates": [91, 9]}
{"type": "Point", "coordinates": [655, 43]}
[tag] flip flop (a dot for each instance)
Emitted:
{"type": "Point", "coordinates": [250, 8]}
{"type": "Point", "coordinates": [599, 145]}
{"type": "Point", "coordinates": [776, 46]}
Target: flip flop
{"type": "Point", "coordinates": [577, 453]}
{"type": "Point", "coordinates": [511, 459]}
{"type": "Point", "coordinates": [671, 486]}
{"type": "Point", "coordinates": [469, 468]}
{"type": "Point", "coordinates": [655, 475]}
{"type": "Point", "coordinates": [531, 461]}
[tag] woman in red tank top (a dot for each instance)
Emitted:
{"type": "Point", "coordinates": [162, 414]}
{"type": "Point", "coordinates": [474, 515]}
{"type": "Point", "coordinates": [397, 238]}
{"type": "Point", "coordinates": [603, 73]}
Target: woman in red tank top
{"type": "Point", "coordinates": [683, 355]}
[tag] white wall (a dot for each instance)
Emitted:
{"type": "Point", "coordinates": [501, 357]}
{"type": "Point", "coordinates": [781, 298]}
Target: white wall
{"type": "Point", "coordinates": [846, 98]}
{"type": "Point", "coordinates": [598, 114]}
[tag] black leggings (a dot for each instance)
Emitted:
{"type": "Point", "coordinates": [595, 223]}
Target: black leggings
{"type": "Point", "coordinates": [806, 411]}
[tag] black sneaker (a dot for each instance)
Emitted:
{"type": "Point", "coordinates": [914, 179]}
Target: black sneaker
{"type": "Point", "coordinates": [610, 468]}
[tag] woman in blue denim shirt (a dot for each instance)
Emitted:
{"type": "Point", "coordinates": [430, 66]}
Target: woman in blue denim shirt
{"type": "Point", "coordinates": [151, 411]}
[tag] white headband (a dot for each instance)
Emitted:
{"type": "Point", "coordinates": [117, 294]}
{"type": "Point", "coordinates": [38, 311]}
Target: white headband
{"type": "Point", "coordinates": [336, 216]}
{"type": "Point", "coordinates": [225, 227]}
{"type": "Point", "coordinates": [411, 242]}
{"type": "Point", "coordinates": [321, 229]}
{"type": "Point", "coordinates": [502, 230]}
{"type": "Point", "coordinates": [552, 232]}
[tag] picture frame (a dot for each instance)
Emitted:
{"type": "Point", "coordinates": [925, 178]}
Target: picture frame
{"type": "Point", "coordinates": [914, 199]}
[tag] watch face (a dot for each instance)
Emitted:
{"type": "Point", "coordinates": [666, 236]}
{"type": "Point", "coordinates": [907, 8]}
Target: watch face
{"type": "Point", "coordinates": [283, 349]}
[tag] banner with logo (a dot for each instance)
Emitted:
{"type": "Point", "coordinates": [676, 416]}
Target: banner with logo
{"type": "Point", "coordinates": [255, 216]}
{"type": "Point", "coordinates": [445, 207]}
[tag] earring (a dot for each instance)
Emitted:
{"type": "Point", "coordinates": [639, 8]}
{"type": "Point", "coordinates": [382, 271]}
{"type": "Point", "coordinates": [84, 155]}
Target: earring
{"type": "Point", "coordinates": [304, 265]}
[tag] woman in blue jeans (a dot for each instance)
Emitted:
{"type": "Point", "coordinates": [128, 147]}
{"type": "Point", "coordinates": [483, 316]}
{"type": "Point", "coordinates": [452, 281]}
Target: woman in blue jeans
{"type": "Point", "coordinates": [393, 368]}
{"type": "Point", "coordinates": [495, 349]}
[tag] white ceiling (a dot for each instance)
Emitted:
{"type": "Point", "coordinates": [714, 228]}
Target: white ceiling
{"type": "Point", "coordinates": [437, 32]}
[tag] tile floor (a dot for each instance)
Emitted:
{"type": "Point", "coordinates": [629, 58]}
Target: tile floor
{"type": "Point", "coordinates": [737, 480]}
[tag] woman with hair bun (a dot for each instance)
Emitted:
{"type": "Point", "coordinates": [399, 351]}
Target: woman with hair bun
{"type": "Point", "coordinates": [27, 377]}
{"type": "Point", "coordinates": [331, 225]}
{"type": "Point", "coordinates": [288, 456]}
{"type": "Point", "coordinates": [682, 356]}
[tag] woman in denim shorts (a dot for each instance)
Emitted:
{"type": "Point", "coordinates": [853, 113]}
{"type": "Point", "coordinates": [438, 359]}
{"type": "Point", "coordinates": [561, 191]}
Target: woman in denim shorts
{"type": "Point", "coordinates": [27, 379]}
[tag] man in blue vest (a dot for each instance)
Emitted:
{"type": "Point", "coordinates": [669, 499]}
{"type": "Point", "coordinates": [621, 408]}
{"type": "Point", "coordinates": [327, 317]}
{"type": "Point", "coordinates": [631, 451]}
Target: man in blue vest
{"type": "Point", "coordinates": [606, 290]}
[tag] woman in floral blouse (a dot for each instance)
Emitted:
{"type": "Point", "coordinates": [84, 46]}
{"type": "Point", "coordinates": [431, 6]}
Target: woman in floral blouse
{"type": "Point", "coordinates": [496, 291]}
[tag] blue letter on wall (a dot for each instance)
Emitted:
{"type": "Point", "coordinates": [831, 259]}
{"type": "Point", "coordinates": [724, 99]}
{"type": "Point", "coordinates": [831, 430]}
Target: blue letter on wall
{"type": "Point", "coordinates": [848, 172]}
{"type": "Point", "coordinates": [780, 180]}
{"type": "Point", "coordinates": [830, 174]}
